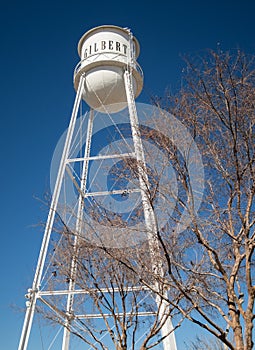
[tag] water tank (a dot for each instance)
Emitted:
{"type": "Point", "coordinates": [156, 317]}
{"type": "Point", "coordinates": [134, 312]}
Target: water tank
{"type": "Point", "coordinates": [106, 52]}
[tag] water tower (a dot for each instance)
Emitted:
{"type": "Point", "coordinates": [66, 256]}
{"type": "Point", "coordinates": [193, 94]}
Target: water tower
{"type": "Point", "coordinates": [106, 52]}
{"type": "Point", "coordinates": [108, 78]}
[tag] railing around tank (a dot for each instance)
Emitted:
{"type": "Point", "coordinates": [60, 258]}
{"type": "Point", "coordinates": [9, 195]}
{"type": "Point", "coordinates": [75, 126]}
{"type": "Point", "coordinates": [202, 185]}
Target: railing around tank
{"type": "Point", "coordinates": [81, 65]}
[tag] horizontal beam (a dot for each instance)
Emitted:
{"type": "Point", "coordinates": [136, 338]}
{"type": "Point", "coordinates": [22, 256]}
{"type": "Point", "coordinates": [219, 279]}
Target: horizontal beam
{"type": "Point", "coordinates": [93, 290]}
{"type": "Point", "coordinates": [117, 314]}
{"type": "Point", "coordinates": [105, 193]}
{"type": "Point", "coordinates": [100, 157]}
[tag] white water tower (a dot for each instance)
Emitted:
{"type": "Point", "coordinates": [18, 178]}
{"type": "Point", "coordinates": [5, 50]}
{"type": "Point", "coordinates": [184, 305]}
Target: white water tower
{"type": "Point", "coordinates": [108, 79]}
{"type": "Point", "coordinates": [106, 52]}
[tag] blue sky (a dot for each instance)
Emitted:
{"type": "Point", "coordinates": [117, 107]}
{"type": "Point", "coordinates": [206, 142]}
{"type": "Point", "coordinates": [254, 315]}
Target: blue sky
{"type": "Point", "coordinates": [38, 56]}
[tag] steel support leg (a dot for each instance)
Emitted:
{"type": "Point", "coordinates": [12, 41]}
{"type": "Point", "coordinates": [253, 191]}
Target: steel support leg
{"type": "Point", "coordinates": [33, 292]}
{"type": "Point", "coordinates": [149, 215]}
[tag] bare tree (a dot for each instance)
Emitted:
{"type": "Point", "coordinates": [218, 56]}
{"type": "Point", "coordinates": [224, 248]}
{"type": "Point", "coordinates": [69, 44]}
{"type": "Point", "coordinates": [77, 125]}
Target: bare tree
{"type": "Point", "coordinates": [209, 266]}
